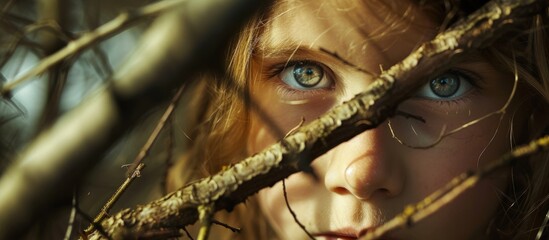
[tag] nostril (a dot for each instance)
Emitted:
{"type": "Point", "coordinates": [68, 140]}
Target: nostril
{"type": "Point", "coordinates": [340, 190]}
{"type": "Point", "coordinates": [385, 192]}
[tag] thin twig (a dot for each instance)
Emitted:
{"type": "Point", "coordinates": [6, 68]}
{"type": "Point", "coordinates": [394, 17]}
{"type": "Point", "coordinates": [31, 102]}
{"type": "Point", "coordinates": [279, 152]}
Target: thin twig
{"type": "Point", "coordinates": [96, 226]}
{"type": "Point", "coordinates": [134, 172]}
{"type": "Point", "coordinates": [292, 211]}
{"type": "Point", "coordinates": [104, 212]}
{"type": "Point", "coordinates": [188, 234]}
{"type": "Point", "coordinates": [19, 36]}
{"type": "Point", "coordinates": [91, 10]}
{"type": "Point", "coordinates": [6, 7]}
{"type": "Point", "coordinates": [72, 216]}
{"type": "Point", "coordinates": [344, 61]}
{"type": "Point", "coordinates": [169, 156]}
{"type": "Point", "coordinates": [233, 229]}
{"type": "Point", "coordinates": [57, 81]}
{"type": "Point", "coordinates": [296, 127]}
{"type": "Point", "coordinates": [156, 132]}
{"type": "Point", "coordinates": [543, 226]}
{"type": "Point", "coordinates": [432, 203]}
{"type": "Point", "coordinates": [205, 213]}
{"type": "Point", "coordinates": [50, 26]}
{"type": "Point", "coordinates": [102, 58]}
{"type": "Point", "coordinates": [118, 24]}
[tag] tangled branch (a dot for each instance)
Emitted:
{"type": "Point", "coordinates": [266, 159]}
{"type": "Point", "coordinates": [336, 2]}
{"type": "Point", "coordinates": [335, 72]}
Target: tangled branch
{"type": "Point", "coordinates": [60, 155]}
{"type": "Point", "coordinates": [117, 25]}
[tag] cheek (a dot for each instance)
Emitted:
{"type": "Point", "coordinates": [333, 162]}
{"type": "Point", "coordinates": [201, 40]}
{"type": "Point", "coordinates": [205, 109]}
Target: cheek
{"type": "Point", "coordinates": [259, 139]}
{"type": "Point", "coordinates": [468, 150]}
{"type": "Point", "coordinates": [466, 217]}
{"type": "Point", "coordinates": [301, 191]}
{"type": "Point", "coordinates": [282, 116]}
{"type": "Point", "coordinates": [272, 204]}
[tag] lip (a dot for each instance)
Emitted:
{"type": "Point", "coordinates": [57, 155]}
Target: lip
{"type": "Point", "coordinates": [334, 236]}
{"type": "Point", "coordinates": [340, 234]}
{"type": "Point", "coordinates": [345, 234]}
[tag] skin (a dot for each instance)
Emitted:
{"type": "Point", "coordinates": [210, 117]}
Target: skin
{"type": "Point", "coordinates": [372, 177]}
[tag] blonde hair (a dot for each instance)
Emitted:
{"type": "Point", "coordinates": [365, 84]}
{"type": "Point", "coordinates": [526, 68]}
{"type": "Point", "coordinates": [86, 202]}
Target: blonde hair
{"type": "Point", "coordinates": [527, 196]}
{"type": "Point", "coordinates": [217, 118]}
{"type": "Point", "coordinates": [222, 118]}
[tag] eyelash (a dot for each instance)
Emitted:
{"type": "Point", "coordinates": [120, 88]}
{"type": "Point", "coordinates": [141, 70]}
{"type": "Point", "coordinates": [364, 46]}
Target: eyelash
{"type": "Point", "coordinates": [472, 78]}
{"type": "Point", "coordinates": [277, 69]}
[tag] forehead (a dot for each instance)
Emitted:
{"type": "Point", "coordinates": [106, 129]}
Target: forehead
{"type": "Point", "coordinates": [356, 30]}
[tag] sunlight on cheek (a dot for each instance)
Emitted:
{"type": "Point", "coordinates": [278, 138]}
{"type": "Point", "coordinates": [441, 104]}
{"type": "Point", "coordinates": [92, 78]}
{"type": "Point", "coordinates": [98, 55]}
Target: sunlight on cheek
{"type": "Point", "coordinates": [301, 189]}
{"type": "Point", "coordinates": [287, 111]}
{"type": "Point", "coordinates": [259, 139]}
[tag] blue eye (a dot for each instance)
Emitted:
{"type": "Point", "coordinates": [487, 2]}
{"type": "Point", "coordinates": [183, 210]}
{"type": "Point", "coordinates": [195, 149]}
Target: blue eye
{"type": "Point", "coordinates": [447, 86]}
{"type": "Point", "coordinates": [305, 76]}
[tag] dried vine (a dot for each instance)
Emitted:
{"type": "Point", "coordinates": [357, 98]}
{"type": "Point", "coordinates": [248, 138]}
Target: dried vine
{"type": "Point", "coordinates": [292, 154]}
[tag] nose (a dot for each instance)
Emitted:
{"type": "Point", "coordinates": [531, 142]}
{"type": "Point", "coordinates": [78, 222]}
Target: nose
{"type": "Point", "coordinates": [365, 167]}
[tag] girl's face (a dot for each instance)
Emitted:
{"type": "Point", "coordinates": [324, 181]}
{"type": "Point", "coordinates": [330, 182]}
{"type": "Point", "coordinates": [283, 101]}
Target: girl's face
{"type": "Point", "coordinates": [315, 54]}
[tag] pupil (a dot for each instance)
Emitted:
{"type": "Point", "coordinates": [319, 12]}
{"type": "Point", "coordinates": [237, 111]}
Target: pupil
{"type": "Point", "coordinates": [445, 86]}
{"type": "Point", "coordinates": [308, 75]}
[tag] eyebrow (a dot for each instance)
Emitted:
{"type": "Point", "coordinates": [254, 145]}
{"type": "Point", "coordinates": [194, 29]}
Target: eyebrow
{"type": "Point", "coordinates": [281, 50]}
{"type": "Point", "coordinates": [472, 57]}
{"type": "Point", "coordinates": [335, 55]}
{"type": "Point", "coordinates": [289, 50]}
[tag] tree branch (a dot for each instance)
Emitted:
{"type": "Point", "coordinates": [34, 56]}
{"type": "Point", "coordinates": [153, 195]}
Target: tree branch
{"type": "Point", "coordinates": [137, 165]}
{"type": "Point", "coordinates": [292, 154]}
{"type": "Point", "coordinates": [113, 27]}
{"type": "Point", "coordinates": [175, 48]}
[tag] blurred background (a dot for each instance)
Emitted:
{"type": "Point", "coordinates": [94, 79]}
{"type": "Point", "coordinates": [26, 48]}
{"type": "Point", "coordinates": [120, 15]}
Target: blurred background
{"type": "Point", "coordinates": [31, 30]}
